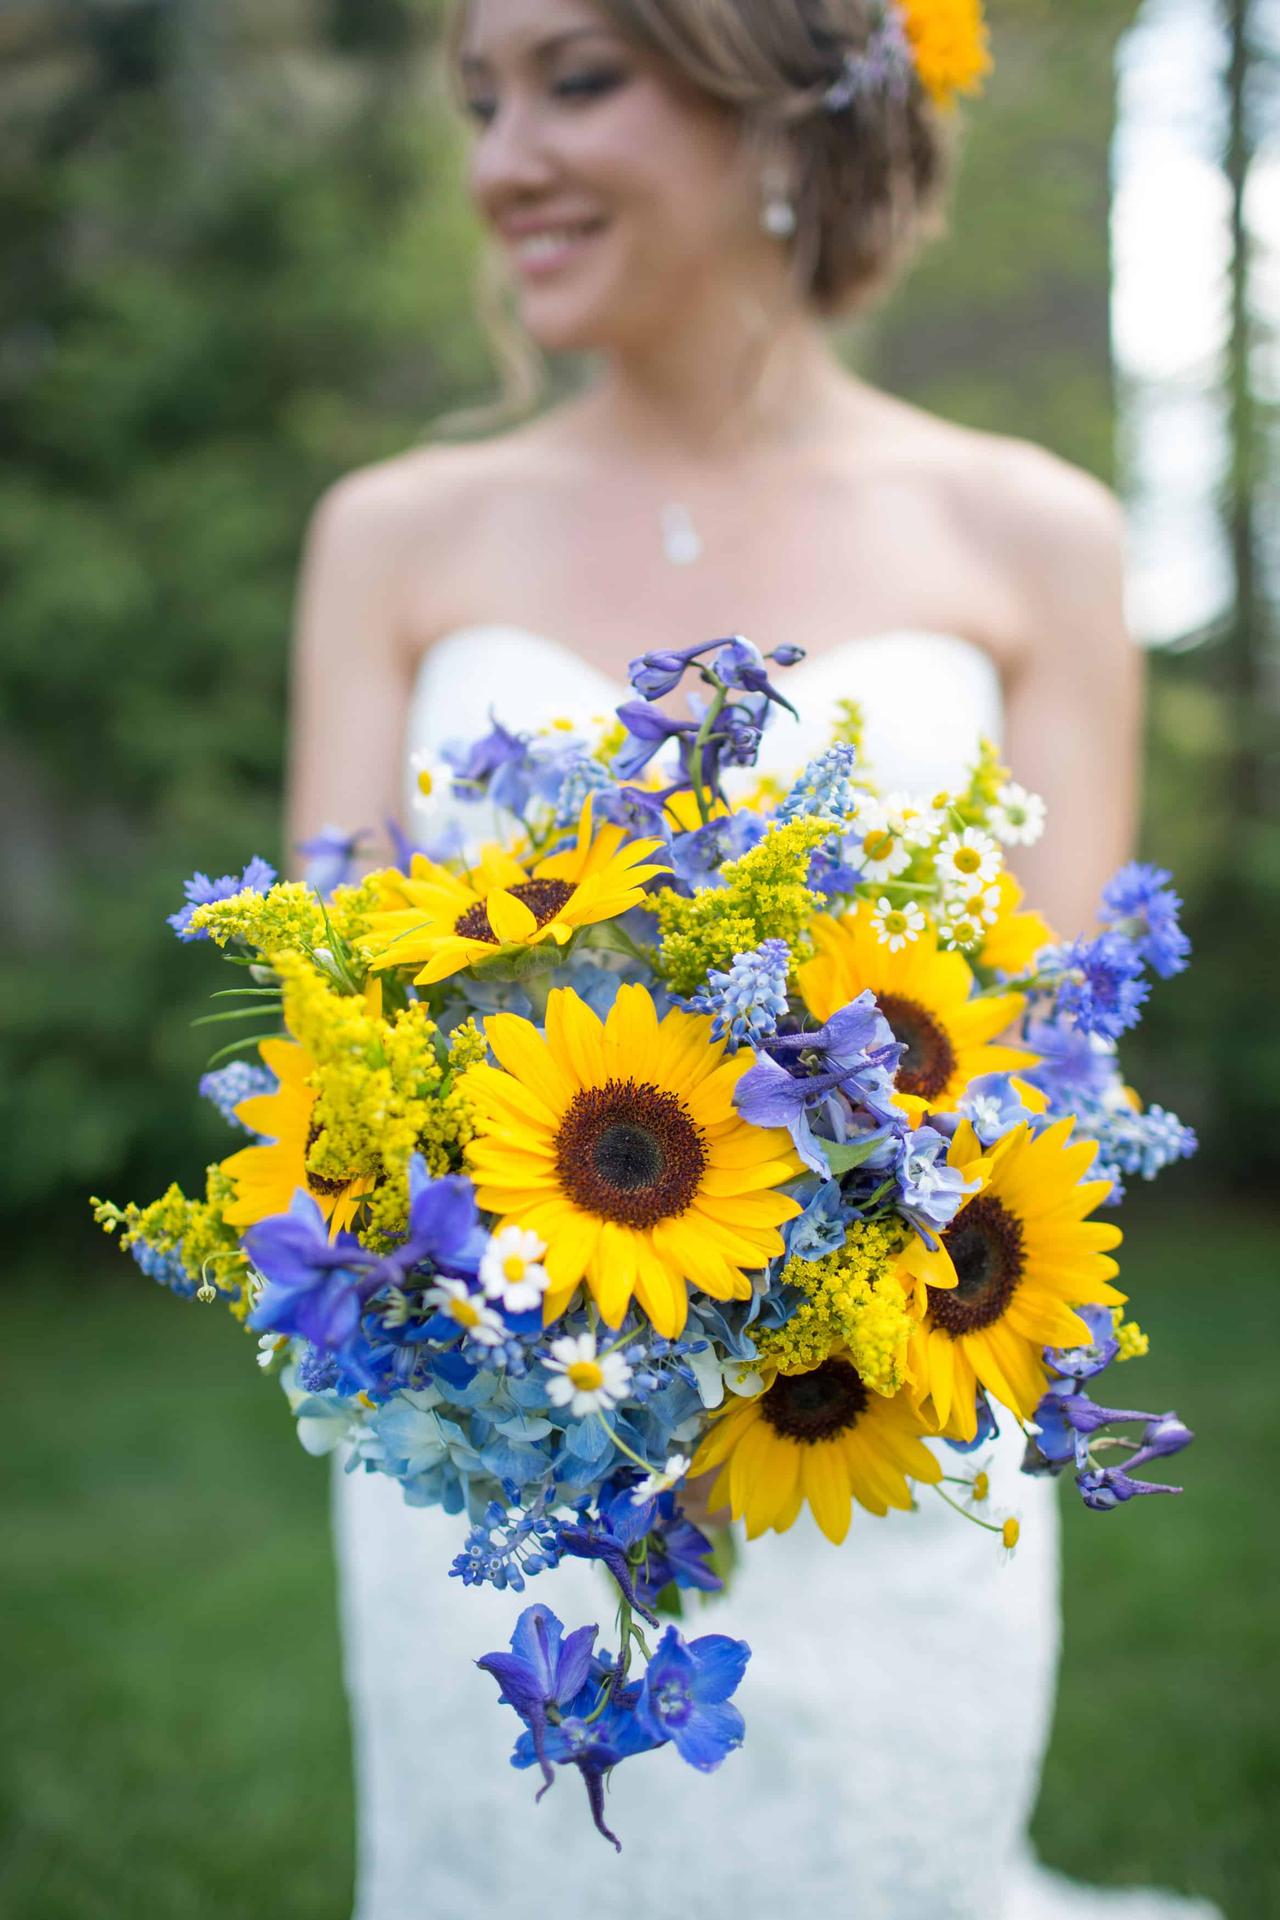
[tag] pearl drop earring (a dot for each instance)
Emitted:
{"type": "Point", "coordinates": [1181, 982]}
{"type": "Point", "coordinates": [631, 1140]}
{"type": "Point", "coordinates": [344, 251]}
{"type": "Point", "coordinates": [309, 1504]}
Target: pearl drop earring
{"type": "Point", "coordinates": [777, 209]}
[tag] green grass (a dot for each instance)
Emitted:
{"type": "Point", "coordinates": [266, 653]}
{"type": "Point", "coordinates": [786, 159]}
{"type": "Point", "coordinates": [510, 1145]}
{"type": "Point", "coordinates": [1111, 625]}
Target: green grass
{"type": "Point", "coordinates": [176, 1739]}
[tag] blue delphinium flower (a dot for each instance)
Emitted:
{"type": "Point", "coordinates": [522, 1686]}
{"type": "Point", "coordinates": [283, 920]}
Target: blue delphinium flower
{"type": "Point", "coordinates": [1084, 1363]}
{"type": "Point", "coordinates": [543, 1669]}
{"type": "Point", "coordinates": [201, 891]}
{"type": "Point", "coordinates": [315, 1286]}
{"type": "Point", "coordinates": [748, 1000]}
{"type": "Point", "coordinates": [648, 732]}
{"type": "Point", "coordinates": [929, 1191]}
{"type": "Point", "coordinates": [685, 1696]}
{"type": "Point", "coordinates": [852, 1058]}
{"type": "Point", "coordinates": [825, 787]}
{"type": "Point", "coordinates": [1102, 989]}
{"type": "Point", "coordinates": [331, 858]}
{"type": "Point", "coordinates": [821, 1229]}
{"type": "Point", "coordinates": [1103, 1489]}
{"type": "Point", "coordinates": [698, 856]}
{"type": "Point", "coordinates": [599, 1730]}
{"type": "Point", "coordinates": [225, 1087]}
{"type": "Point", "coordinates": [497, 766]}
{"type": "Point", "coordinates": [1072, 1067]}
{"type": "Point", "coordinates": [444, 1228]}
{"type": "Point", "coordinates": [1142, 898]}
{"type": "Point", "coordinates": [993, 1107]}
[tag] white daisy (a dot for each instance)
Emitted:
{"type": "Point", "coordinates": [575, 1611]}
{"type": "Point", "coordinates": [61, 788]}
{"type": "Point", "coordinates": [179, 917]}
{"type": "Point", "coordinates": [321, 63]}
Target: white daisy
{"type": "Point", "coordinates": [973, 903]}
{"type": "Point", "coordinates": [1018, 816]}
{"type": "Point", "coordinates": [655, 1483]}
{"type": "Point", "coordinates": [968, 859]}
{"type": "Point", "coordinates": [895, 926]}
{"type": "Point", "coordinates": [918, 820]}
{"type": "Point", "coordinates": [478, 1321]}
{"type": "Point", "coordinates": [960, 935]}
{"type": "Point", "coordinates": [877, 847]}
{"type": "Point", "coordinates": [511, 1269]}
{"type": "Point", "coordinates": [582, 1379]}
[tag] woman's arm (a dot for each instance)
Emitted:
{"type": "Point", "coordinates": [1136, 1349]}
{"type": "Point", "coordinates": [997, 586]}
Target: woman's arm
{"type": "Point", "coordinates": [352, 665]}
{"type": "Point", "coordinates": [1074, 709]}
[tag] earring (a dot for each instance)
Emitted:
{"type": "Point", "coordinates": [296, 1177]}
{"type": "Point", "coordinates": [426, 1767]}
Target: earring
{"type": "Point", "coordinates": [777, 209]}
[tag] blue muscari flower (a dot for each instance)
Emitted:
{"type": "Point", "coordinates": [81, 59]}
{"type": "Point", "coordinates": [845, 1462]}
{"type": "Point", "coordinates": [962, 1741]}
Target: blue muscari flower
{"type": "Point", "coordinates": [685, 1696]}
{"type": "Point", "coordinates": [316, 1286]}
{"type": "Point", "coordinates": [543, 1669]}
{"type": "Point", "coordinates": [1142, 897]}
{"type": "Point", "coordinates": [993, 1107]}
{"type": "Point", "coordinates": [331, 858]}
{"type": "Point", "coordinates": [225, 1087]}
{"type": "Point", "coordinates": [854, 1056]}
{"type": "Point", "coordinates": [1101, 987]}
{"type": "Point", "coordinates": [750, 998]}
{"type": "Point", "coordinates": [201, 891]}
{"type": "Point", "coordinates": [581, 776]}
{"type": "Point", "coordinates": [826, 787]}
{"type": "Point", "coordinates": [317, 1370]}
{"type": "Point", "coordinates": [1146, 1143]}
{"type": "Point", "coordinates": [165, 1268]}
{"type": "Point", "coordinates": [821, 1228]}
{"type": "Point", "coordinates": [506, 1548]}
{"type": "Point", "coordinates": [929, 1191]}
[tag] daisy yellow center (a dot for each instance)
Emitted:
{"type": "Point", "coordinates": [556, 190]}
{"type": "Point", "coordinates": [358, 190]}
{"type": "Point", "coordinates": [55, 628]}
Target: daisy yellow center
{"type": "Point", "coordinates": [465, 1314]}
{"type": "Point", "coordinates": [586, 1375]}
{"type": "Point", "coordinates": [986, 1248]}
{"type": "Point", "coordinates": [629, 1152]}
{"type": "Point", "coordinates": [513, 1267]}
{"type": "Point", "coordinates": [929, 1061]}
{"type": "Point", "coordinates": [809, 1407]}
{"type": "Point", "coordinates": [967, 860]}
{"type": "Point", "coordinates": [878, 844]}
{"type": "Point", "coordinates": [544, 899]}
{"type": "Point", "coordinates": [895, 922]}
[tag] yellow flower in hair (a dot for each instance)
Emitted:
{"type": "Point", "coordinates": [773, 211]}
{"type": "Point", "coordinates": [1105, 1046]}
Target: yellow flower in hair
{"type": "Point", "coordinates": [442, 922]}
{"type": "Point", "coordinates": [949, 45]}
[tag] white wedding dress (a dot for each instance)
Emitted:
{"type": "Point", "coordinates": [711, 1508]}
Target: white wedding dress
{"type": "Point", "coordinates": [899, 1694]}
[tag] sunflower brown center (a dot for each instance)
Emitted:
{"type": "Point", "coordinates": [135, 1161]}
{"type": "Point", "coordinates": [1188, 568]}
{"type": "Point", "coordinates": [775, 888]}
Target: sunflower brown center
{"type": "Point", "coordinates": [323, 1185]}
{"type": "Point", "coordinates": [930, 1060]}
{"type": "Point", "coordinates": [985, 1245]}
{"type": "Point", "coordinates": [544, 899]}
{"type": "Point", "coordinates": [809, 1407]}
{"type": "Point", "coordinates": [630, 1152]}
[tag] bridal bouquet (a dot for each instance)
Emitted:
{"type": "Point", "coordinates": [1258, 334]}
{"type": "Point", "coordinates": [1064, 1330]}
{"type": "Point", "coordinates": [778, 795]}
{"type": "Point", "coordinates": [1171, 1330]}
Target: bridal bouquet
{"type": "Point", "coordinates": [701, 1126]}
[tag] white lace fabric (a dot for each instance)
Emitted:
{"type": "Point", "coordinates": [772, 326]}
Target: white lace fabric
{"type": "Point", "coordinates": [899, 1695]}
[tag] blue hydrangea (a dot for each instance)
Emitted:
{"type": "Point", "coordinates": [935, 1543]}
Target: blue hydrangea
{"type": "Point", "coordinates": [201, 891]}
{"type": "Point", "coordinates": [750, 999]}
{"type": "Point", "coordinates": [240, 1080]}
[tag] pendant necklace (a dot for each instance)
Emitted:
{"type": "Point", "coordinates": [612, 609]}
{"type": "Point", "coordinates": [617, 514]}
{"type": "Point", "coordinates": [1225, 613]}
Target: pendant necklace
{"type": "Point", "coordinates": [681, 541]}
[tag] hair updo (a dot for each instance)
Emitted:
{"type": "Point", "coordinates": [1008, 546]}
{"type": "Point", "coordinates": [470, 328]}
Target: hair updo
{"type": "Point", "coordinates": [867, 178]}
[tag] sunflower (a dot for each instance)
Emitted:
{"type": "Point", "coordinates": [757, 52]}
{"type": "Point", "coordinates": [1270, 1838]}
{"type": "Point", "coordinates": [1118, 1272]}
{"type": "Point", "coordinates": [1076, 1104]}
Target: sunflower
{"type": "Point", "coordinates": [820, 1436]}
{"type": "Point", "coordinates": [927, 998]}
{"type": "Point", "coordinates": [618, 1143]}
{"type": "Point", "coordinates": [268, 1176]}
{"type": "Point", "coordinates": [443, 921]}
{"type": "Point", "coordinates": [1018, 1257]}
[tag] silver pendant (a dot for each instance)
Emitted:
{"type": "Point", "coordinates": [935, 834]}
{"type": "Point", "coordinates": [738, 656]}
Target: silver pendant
{"type": "Point", "coordinates": [681, 541]}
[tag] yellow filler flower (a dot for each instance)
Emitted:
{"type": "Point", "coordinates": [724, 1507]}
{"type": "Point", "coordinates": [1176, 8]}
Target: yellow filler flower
{"type": "Point", "coordinates": [1007, 1273]}
{"type": "Point", "coordinates": [443, 922]}
{"type": "Point", "coordinates": [618, 1143]}
{"type": "Point", "coordinates": [927, 998]}
{"type": "Point", "coordinates": [949, 45]}
{"type": "Point", "coordinates": [820, 1436]}
{"type": "Point", "coordinates": [267, 1176]}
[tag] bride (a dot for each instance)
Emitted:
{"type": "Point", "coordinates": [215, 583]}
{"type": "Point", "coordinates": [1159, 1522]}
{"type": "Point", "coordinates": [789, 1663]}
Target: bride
{"type": "Point", "coordinates": [685, 189]}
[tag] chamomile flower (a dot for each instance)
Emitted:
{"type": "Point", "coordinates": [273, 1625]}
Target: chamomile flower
{"type": "Point", "coordinates": [918, 820]}
{"type": "Point", "coordinates": [895, 926]}
{"type": "Point", "coordinates": [430, 776]}
{"type": "Point", "coordinates": [511, 1269]}
{"type": "Point", "coordinates": [968, 859]}
{"type": "Point", "coordinates": [1018, 817]}
{"type": "Point", "coordinates": [583, 1379]}
{"type": "Point", "coordinates": [879, 850]}
{"type": "Point", "coordinates": [454, 1299]}
{"type": "Point", "coordinates": [980, 904]}
{"type": "Point", "coordinates": [959, 934]}
{"type": "Point", "coordinates": [655, 1483]}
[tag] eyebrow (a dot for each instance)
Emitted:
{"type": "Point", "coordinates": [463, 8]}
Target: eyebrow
{"type": "Point", "coordinates": [543, 50]}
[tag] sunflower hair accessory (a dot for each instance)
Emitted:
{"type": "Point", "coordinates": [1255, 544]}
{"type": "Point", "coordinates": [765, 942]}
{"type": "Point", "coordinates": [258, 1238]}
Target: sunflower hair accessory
{"type": "Point", "coordinates": [943, 43]}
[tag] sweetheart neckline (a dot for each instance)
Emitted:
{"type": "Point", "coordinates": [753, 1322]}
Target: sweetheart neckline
{"type": "Point", "coordinates": [811, 660]}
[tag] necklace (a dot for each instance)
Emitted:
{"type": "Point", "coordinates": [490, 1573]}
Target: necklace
{"type": "Point", "coordinates": [681, 541]}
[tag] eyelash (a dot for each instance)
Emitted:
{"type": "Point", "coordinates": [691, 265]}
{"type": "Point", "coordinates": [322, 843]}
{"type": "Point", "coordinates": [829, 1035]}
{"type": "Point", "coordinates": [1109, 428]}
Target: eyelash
{"type": "Point", "coordinates": [579, 87]}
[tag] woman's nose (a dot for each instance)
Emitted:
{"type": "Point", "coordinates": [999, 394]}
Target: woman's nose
{"type": "Point", "coordinates": [511, 158]}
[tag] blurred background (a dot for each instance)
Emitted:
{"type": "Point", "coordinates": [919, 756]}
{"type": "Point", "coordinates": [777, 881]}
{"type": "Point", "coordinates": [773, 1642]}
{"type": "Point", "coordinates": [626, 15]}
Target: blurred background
{"type": "Point", "coordinates": [236, 263]}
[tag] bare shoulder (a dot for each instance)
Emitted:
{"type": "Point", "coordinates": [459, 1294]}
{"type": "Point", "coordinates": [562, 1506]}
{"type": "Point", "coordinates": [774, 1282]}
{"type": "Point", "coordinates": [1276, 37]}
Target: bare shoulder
{"type": "Point", "coordinates": [420, 497]}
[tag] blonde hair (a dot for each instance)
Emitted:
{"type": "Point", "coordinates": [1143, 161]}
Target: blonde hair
{"type": "Point", "coordinates": [867, 181]}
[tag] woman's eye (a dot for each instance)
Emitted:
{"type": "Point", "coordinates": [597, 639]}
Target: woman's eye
{"type": "Point", "coordinates": [479, 110]}
{"type": "Point", "coordinates": [587, 86]}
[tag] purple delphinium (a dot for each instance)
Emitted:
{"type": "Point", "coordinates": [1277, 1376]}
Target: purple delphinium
{"type": "Point", "coordinates": [316, 1286]}
{"type": "Point", "coordinates": [543, 1670]}
{"type": "Point", "coordinates": [331, 858]}
{"type": "Point", "coordinates": [853, 1058]}
{"type": "Point", "coordinates": [201, 891]}
{"type": "Point", "coordinates": [444, 1229]}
